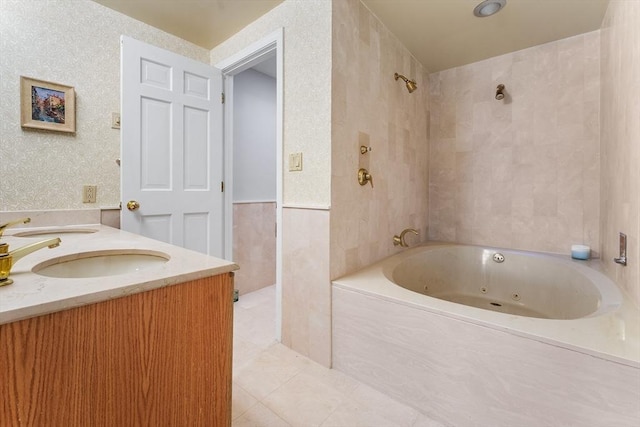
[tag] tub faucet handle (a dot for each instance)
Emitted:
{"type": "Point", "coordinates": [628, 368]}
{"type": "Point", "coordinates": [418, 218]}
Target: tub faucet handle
{"type": "Point", "coordinates": [364, 176]}
{"type": "Point", "coordinates": [622, 260]}
{"type": "Point", "coordinates": [399, 240]}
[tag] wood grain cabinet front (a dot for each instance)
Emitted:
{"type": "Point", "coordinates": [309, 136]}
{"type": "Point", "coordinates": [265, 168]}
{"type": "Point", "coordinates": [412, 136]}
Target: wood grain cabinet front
{"type": "Point", "coordinates": [156, 358]}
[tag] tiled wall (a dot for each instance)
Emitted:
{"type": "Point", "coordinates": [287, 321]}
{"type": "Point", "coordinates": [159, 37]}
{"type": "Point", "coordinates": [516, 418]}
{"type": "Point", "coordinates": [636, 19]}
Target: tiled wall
{"type": "Point", "coordinates": [370, 108]}
{"type": "Point", "coordinates": [620, 135]}
{"type": "Point", "coordinates": [75, 43]}
{"type": "Point", "coordinates": [306, 289]}
{"type": "Point", "coordinates": [523, 172]}
{"type": "Point", "coordinates": [254, 245]}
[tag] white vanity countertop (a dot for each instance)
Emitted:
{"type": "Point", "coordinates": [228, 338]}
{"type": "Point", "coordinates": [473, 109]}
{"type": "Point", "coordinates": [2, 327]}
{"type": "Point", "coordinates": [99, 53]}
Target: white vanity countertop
{"type": "Point", "coordinates": [34, 295]}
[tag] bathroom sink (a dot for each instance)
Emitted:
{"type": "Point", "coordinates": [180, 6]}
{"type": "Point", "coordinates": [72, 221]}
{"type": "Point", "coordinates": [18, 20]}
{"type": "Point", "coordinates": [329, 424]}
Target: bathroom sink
{"type": "Point", "coordinates": [54, 232]}
{"type": "Point", "coordinates": [101, 263]}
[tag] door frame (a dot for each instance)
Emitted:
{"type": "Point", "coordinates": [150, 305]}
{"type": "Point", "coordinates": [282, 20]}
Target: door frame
{"type": "Point", "coordinates": [235, 64]}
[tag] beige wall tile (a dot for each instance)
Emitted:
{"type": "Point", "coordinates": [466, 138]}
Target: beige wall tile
{"type": "Point", "coordinates": [528, 162]}
{"type": "Point", "coordinates": [254, 245]}
{"type": "Point", "coordinates": [110, 217]}
{"type": "Point", "coordinates": [306, 288]}
{"type": "Point", "coordinates": [620, 142]}
{"type": "Point", "coordinates": [376, 110]}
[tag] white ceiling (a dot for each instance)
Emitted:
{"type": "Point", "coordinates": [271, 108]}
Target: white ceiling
{"type": "Point", "coordinates": [441, 34]}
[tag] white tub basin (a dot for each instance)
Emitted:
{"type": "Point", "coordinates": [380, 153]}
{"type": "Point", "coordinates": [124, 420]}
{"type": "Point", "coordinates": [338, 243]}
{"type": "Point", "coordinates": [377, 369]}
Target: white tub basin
{"type": "Point", "coordinates": [101, 263]}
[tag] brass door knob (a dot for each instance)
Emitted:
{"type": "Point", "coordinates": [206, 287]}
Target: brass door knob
{"type": "Point", "coordinates": [132, 205]}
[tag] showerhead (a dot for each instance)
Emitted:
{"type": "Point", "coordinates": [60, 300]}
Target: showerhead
{"type": "Point", "coordinates": [411, 85]}
{"type": "Point", "coordinates": [500, 92]}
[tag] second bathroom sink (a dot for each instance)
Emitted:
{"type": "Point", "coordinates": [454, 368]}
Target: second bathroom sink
{"type": "Point", "coordinates": [101, 263]}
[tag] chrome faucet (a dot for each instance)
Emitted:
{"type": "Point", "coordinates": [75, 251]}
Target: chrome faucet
{"type": "Point", "coordinates": [399, 240]}
{"type": "Point", "coordinates": [7, 260]}
{"type": "Point", "coordinates": [14, 222]}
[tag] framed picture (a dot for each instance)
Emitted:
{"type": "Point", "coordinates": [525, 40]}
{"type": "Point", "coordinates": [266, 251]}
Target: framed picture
{"type": "Point", "coordinates": [47, 105]}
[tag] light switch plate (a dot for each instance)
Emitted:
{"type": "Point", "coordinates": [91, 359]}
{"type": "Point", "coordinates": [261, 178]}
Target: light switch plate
{"type": "Point", "coordinates": [295, 162]}
{"type": "Point", "coordinates": [115, 120]}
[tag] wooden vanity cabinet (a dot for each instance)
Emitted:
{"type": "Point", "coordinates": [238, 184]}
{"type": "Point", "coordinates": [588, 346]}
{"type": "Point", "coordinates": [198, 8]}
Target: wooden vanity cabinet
{"type": "Point", "coordinates": [156, 358]}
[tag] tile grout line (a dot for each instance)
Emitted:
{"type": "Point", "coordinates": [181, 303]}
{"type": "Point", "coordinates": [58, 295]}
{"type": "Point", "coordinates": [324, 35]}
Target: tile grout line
{"type": "Point", "coordinates": [236, 385]}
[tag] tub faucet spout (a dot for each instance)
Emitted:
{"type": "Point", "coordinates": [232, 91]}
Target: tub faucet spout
{"type": "Point", "coordinates": [399, 240]}
{"type": "Point", "coordinates": [12, 223]}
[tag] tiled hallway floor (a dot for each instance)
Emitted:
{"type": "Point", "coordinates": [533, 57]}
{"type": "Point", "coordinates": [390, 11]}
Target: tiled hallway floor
{"type": "Point", "coordinates": [275, 386]}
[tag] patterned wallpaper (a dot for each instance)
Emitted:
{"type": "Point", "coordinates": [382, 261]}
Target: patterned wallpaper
{"type": "Point", "coordinates": [307, 92]}
{"type": "Point", "coordinates": [76, 43]}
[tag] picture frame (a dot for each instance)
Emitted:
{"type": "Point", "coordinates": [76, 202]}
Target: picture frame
{"type": "Point", "coordinates": [47, 106]}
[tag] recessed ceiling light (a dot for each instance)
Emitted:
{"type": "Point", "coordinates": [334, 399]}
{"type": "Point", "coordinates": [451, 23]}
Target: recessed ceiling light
{"type": "Point", "coordinates": [489, 7]}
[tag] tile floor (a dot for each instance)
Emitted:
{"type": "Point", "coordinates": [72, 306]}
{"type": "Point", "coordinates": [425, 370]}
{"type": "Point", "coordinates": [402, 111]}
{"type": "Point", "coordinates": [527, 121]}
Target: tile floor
{"type": "Point", "coordinates": [275, 386]}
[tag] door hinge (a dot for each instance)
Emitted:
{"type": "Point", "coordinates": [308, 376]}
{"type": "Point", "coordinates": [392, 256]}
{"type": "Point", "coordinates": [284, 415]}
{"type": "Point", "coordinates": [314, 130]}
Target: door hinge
{"type": "Point", "coordinates": [222, 186]}
{"type": "Point", "coordinates": [222, 97]}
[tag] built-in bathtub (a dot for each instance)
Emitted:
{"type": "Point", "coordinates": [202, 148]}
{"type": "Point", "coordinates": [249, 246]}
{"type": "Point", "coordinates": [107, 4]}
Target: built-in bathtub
{"type": "Point", "coordinates": [545, 340]}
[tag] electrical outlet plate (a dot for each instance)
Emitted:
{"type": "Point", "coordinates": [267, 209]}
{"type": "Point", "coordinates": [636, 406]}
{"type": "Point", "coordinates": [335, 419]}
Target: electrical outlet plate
{"type": "Point", "coordinates": [89, 193]}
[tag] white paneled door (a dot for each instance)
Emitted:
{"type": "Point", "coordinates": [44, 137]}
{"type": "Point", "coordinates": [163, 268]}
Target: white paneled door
{"type": "Point", "coordinates": [172, 155]}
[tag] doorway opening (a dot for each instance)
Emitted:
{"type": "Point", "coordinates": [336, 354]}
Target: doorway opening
{"type": "Point", "coordinates": [253, 146]}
